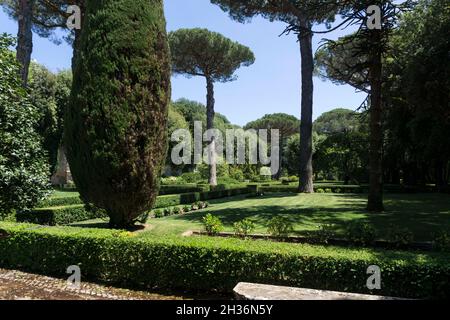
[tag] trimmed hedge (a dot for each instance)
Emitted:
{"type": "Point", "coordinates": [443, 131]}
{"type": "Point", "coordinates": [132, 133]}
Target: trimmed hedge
{"type": "Point", "coordinates": [60, 202]}
{"type": "Point", "coordinates": [58, 215]}
{"type": "Point", "coordinates": [204, 263]}
{"type": "Point", "coordinates": [188, 198]}
{"type": "Point", "coordinates": [177, 189]}
{"type": "Point", "coordinates": [332, 188]}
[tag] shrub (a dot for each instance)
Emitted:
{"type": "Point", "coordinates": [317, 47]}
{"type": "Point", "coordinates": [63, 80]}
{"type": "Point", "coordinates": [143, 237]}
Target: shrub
{"type": "Point", "coordinates": [328, 190]}
{"type": "Point", "coordinates": [178, 189]}
{"type": "Point", "coordinates": [169, 181]}
{"type": "Point", "coordinates": [400, 237]}
{"type": "Point", "coordinates": [293, 179]}
{"type": "Point", "coordinates": [176, 210]}
{"type": "Point", "coordinates": [115, 126]}
{"type": "Point", "coordinates": [279, 227]}
{"type": "Point", "coordinates": [186, 198]}
{"type": "Point", "coordinates": [59, 202]}
{"type": "Point", "coordinates": [186, 208]}
{"type": "Point", "coordinates": [59, 215]}
{"type": "Point", "coordinates": [360, 233]}
{"type": "Point", "coordinates": [212, 224]}
{"type": "Point", "coordinates": [441, 241]}
{"type": "Point", "coordinates": [324, 233]}
{"type": "Point", "coordinates": [23, 163]}
{"type": "Point", "coordinates": [337, 190]}
{"type": "Point", "coordinates": [168, 212]}
{"type": "Point", "coordinates": [243, 228]}
{"type": "Point", "coordinates": [207, 264]}
{"type": "Point", "coordinates": [159, 213]}
{"type": "Point", "coordinates": [191, 177]}
{"type": "Point", "coordinates": [320, 190]}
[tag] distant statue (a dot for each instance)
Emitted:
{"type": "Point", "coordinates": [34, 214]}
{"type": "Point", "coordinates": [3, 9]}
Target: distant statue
{"type": "Point", "coordinates": [62, 176]}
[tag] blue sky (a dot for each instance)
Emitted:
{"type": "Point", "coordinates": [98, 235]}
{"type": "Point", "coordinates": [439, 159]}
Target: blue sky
{"type": "Point", "coordinates": [271, 85]}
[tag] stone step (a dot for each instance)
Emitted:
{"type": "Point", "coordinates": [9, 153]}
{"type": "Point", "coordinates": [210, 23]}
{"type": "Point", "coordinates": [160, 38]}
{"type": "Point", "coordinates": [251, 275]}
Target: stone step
{"type": "Point", "coordinates": [253, 291]}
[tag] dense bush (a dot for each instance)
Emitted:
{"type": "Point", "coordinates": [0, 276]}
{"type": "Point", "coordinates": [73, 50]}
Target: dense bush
{"type": "Point", "coordinates": [442, 241]}
{"type": "Point", "coordinates": [279, 226]}
{"type": "Point", "coordinates": [212, 224]}
{"type": "Point", "coordinates": [59, 202]}
{"type": "Point", "coordinates": [24, 171]}
{"type": "Point", "coordinates": [177, 189]}
{"type": "Point", "coordinates": [59, 215]}
{"type": "Point", "coordinates": [115, 126]}
{"type": "Point", "coordinates": [243, 228]}
{"type": "Point", "coordinates": [360, 233]}
{"type": "Point", "coordinates": [203, 263]}
{"type": "Point", "coordinates": [399, 236]}
{"type": "Point", "coordinates": [191, 177]}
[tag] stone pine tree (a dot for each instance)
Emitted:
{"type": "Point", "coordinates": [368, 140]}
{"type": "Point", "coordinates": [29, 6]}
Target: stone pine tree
{"type": "Point", "coordinates": [357, 59]}
{"type": "Point", "coordinates": [22, 10]}
{"type": "Point", "coordinates": [299, 15]}
{"type": "Point", "coordinates": [200, 52]}
{"type": "Point", "coordinates": [116, 123]}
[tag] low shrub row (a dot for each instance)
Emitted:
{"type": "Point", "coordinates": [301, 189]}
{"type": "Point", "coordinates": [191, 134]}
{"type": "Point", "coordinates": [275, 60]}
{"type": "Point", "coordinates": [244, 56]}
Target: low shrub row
{"type": "Point", "coordinates": [331, 189]}
{"type": "Point", "coordinates": [58, 215]}
{"type": "Point", "coordinates": [205, 263]}
{"type": "Point", "coordinates": [188, 198]}
{"type": "Point", "coordinates": [177, 189]}
{"type": "Point", "coordinates": [170, 211]}
{"type": "Point", "coordinates": [60, 202]}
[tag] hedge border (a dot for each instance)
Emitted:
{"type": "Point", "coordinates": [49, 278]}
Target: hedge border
{"type": "Point", "coordinates": [204, 264]}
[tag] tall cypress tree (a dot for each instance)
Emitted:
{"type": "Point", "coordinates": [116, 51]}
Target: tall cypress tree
{"type": "Point", "coordinates": [116, 124]}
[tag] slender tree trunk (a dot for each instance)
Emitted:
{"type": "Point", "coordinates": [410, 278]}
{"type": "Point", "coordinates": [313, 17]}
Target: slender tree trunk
{"type": "Point", "coordinates": [306, 169]}
{"type": "Point", "coordinates": [210, 125]}
{"type": "Point", "coordinates": [25, 38]}
{"type": "Point", "coordinates": [375, 202]}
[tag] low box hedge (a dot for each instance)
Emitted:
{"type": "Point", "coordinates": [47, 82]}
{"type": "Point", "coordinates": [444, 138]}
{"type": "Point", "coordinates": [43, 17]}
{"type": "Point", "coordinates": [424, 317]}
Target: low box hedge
{"type": "Point", "coordinates": [60, 202]}
{"type": "Point", "coordinates": [177, 189]}
{"type": "Point", "coordinates": [331, 188]}
{"type": "Point", "coordinates": [207, 263]}
{"type": "Point", "coordinates": [58, 215]}
{"type": "Point", "coordinates": [188, 198]}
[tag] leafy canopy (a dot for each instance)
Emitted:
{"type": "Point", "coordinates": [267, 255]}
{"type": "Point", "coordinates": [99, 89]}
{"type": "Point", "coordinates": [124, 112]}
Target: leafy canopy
{"type": "Point", "coordinates": [23, 169]}
{"type": "Point", "coordinates": [200, 52]}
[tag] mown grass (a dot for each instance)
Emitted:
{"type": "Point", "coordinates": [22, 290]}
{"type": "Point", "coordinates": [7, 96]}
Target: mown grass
{"type": "Point", "coordinates": [422, 214]}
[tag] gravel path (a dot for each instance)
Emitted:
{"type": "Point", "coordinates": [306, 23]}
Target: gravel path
{"type": "Point", "coordinates": [17, 285]}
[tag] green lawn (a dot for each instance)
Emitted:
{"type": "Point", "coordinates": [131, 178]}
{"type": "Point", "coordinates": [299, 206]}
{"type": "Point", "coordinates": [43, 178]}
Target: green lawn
{"type": "Point", "coordinates": [423, 214]}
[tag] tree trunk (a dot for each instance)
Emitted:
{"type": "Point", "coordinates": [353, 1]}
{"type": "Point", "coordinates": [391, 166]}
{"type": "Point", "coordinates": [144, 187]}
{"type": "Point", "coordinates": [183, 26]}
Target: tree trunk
{"type": "Point", "coordinates": [306, 169]}
{"type": "Point", "coordinates": [375, 201]}
{"type": "Point", "coordinates": [210, 125]}
{"type": "Point", "coordinates": [25, 38]}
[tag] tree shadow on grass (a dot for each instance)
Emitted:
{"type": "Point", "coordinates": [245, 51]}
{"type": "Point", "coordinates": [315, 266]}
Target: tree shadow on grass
{"type": "Point", "coordinates": [422, 214]}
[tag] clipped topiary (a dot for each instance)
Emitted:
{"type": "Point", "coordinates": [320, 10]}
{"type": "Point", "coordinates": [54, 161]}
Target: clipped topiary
{"type": "Point", "coordinates": [116, 123]}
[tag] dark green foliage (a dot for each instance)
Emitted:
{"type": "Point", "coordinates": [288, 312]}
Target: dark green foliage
{"type": "Point", "coordinates": [218, 60]}
{"type": "Point", "coordinates": [186, 198]}
{"type": "Point", "coordinates": [59, 215]}
{"type": "Point", "coordinates": [203, 263]}
{"type": "Point", "coordinates": [50, 93]}
{"type": "Point", "coordinates": [177, 189]}
{"type": "Point", "coordinates": [24, 172]}
{"type": "Point", "coordinates": [360, 233]}
{"type": "Point", "coordinates": [116, 125]}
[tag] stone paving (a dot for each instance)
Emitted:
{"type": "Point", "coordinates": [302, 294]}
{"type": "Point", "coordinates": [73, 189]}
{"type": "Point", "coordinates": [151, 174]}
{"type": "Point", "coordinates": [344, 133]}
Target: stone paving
{"type": "Point", "coordinates": [17, 285]}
